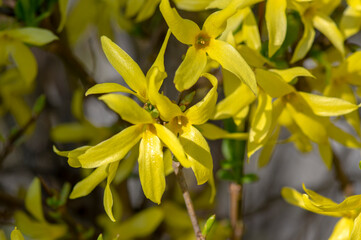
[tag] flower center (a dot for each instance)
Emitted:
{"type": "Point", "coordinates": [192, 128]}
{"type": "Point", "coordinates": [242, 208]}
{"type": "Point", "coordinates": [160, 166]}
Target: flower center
{"type": "Point", "coordinates": [202, 40]}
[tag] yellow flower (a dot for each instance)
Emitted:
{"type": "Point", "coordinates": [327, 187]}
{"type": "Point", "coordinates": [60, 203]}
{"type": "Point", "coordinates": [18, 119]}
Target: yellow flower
{"type": "Point", "coordinates": [348, 227]}
{"type": "Point", "coordinates": [203, 42]}
{"type": "Point", "coordinates": [351, 18]}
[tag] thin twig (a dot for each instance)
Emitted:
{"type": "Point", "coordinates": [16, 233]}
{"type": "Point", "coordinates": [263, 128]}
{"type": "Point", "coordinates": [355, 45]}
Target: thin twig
{"type": "Point", "coordinates": [346, 184]}
{"type": "Point", "coordinates": [236, 210]}
{"type": "Point", "coordinates": [187, 199]}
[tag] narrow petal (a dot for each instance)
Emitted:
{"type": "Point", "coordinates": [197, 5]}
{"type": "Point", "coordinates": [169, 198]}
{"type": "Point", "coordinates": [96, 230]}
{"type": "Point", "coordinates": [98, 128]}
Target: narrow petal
{"type": "Point", "coordinates": [356, 231]}
{"type": "Point", "coordinates": [204, 109]}
{"type": "Point", "coordinates": [133, 7]}
{"type": "Point", "coordinates": [112, 149]}
{"type": "Point", "coordinates": [127, 108]}
{"type": "Point", "coordinates": [304, 45]}
{"type": "Point", "coordinates": [267, 150]}
{"type": "Point", "coordinates": [190, 69]}
{"type": "Point", "coordinates": [342, 229]}
{"type": "Point", "coordinates": [151, 166]}
{"type": "Point", "coordinates": [212, 132]}
{"type": "Point", "coordinates": [328, 27]}
{"type": "Point", "coordinates": [147, 10]}
{"type": "Point", "coordinates": [291, 73]}
{"type": "Point", "coordinates": [276, 24]}
{"type": "Point", "coordinates": [249, 33]}
{"type": "Point", "coordinates": [108, 196]}
{"type": "Point", "coordinates": [268, 80]}
{"type": "Point", "coordinates": [63, 5]}
{"type": "Point", "coordinates": [342, 137]}
{"type": "Point", "coordinates": [183, 29]}
{"type": "Point", "coordinates": [125, 66]}
{"type": "Point", "coordinates": [33, 36]}
{"type": "Point", "coordinates": [15, 234]}
{"type": "Point", "coordinates": [72, 155]}
{"type": "Point", "coordinates": [350, 22]}
{"type": "Point", "coordinates": [262, 118]}
{"type": "Point", "coordinates": [326, 154]}
{"type": "Point", "coordinates": [191, 5]}
{"type": "Point", "coordinates": [231, 60]}
{"type": "Point", "coordinates": [24, 60]}
{"type": "Point", "coordinates": [327, 106]}
{"type": "Point", "coordinates": [292, 196]}
{"type": "Point", "coordinates": [103, 88]}
{"type": "Point", "coordinates": [159, 61]}
{"type": "Point", "coordinates": [172, 142]}
{"type": "Point", "coordinates": [33, 202]}
{"type": "Point", "coordinates": [87, 185]}
{"type": "Point", "coordinates": [168, 162]}
{"type": "Point", "coordinates": [198, 152]}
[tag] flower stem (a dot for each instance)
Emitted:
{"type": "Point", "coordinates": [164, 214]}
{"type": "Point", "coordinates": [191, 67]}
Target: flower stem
{"type": "Point", "coordinates": [235, 213]}
{"type": "Point", "coordinates": [187, 199]}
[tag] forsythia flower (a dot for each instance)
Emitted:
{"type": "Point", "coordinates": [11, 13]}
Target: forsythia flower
{"type": "Point", "coordinates": [348, 227]}
{"type": "Point", "coordinates": [203, 42]}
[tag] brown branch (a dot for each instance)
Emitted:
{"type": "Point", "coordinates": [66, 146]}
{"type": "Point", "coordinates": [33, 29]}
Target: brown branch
{"type": "Point", "coordinates": [236, 210]}
{"type": "Point", "coordinates": [187, 199]}
{"type": "Point", "coordinates": [346, 184]}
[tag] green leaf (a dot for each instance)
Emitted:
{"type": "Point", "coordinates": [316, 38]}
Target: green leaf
{"type": "Point", "coordinates": [249, 178]}
{"type": "Point", "coordinates": [100, 237]}
{"type": "Point", "coordinates": [39, 104]}
{"type": "Point", "coordinates": [209, 224]}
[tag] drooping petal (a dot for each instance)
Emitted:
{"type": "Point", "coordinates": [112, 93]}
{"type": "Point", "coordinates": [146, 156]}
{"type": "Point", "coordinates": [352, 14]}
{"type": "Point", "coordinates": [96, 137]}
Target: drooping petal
{"type": "Point", "coordinates": [292, 196]}
{"type": "Point", "coordinates": [327, 106]}
{"type": "Point", "coordinates": [350, 22]}
{"type": "Point", "coordinates": [262, 118]}
{"type": "Point", "coordinates": [230, 59]}
{"type": "Point", "coordinates": [108, 196]}
{"type": "Point", "coordinates": [191, 5]}
{"type": "Point", "coordinates": [342, 137]}
{"type": "Point", "coordinates": [267, 150]}
{"type": "Point", "coordinates": [15, 234]}
{"type": "Point", "coordinates": [159, 61]}
{"type": "Point", "coordinates": [86, 186]}
{"type": "Point", "coordinates": [33, 36]}
{"type": "Point", "coordinates": [127, 108]}
{"type": "Point", "coordinates": [151, 166]}
{"type": "Point", "coordinates": [326, 154]}
{"type": "Point", "coordinates": [72, 155]}
{"type": "Point", "coordinates": [231, 105]}
{"type": "Point", "coordinates": [291, 73]}
{"type": "Point", "coordinates": [33, 202]}
{"type": "Point", "coordinates": [204, 109]}
{"type": "Point", "coordinates": [125, 66]}
{"type": "Point", "coordinates": [172, 142]}
{"type": "Point", "coordinates": [342, 229]}
{"type": "Point", "coordinates": [304, 45]}
{"type": "Point", "coordinates": [276, 24]}
{"type": "Point", "coordinates": [103, 88]}
{"type": "Point", "coordinates": [212, 132]}
{"type": "Point", "coordinates": [112, 149]}
{"type": "Point", "coordinates": [349, 204]}
{"type": "Point", "coordinates": [272, 83]}
{"type": "Point", "coordinates": [147, 10]}
{"type": "Point", "coordinates": [356, 231]}
{"type": "Point", "coordinates": [190, 69]}
{"type": "Point", "coordinates": [198, 152]}
{"type": "Point", "coordinates": [183, 29]}
{"type": "Point", "coordinates": [63, 5]}
{"type": "Point", "coordinates": [328, 27]}
{"type": "Point", "coordinates": [24, 60]}
{"type": "Point", "coordinates": [168, 162]}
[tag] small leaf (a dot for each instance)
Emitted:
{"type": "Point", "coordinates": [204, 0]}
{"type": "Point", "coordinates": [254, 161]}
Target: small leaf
{"type": "Point", "coordinates": [39, 104]}
{"type": "Point", "coordinates": [33, 200]}
{"type": "Point", "coordinates": [209, 224]}
{"type": "Point", "coordinates": [100, 237]}
{"type": "Point", "coordinates": [64, 193]}
{"type": "Point", "coordinates": [249, 178]}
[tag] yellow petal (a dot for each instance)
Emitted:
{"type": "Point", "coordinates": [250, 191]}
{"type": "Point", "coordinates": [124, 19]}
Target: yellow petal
{"type": "Point", "coordinates": [172, 142]}
{"type": "Point", "coordinates": [191, 5]}
{"type": "Point", "coordinates": [125, 66]}
{"type": "Point", "coordinates": [126, 165]}
{"type": "Point", "coordinates": [133, 7]}
{"type": "Point", "coordinates": [190, 69]}
{"type": "Point", "coordinates": [72, 155]}
{"type": "Point", "coordinates": [356, 231]}
{"type": "Point", "coordinates": [328, 27]}
{"type": "Point", "coordinates": [216, 23]}
{"type": "Point", "coordinates": [304, 45]}
{"type": "Point", "coordinates": [151, 166]}
{"type": "Point", "coordinates": [239, 3]}
{"type": "Point", "coordinates": [231, 60]}
{"type": "Point", "coordinates": [272, 83]}
{"type": "Point", "coordinates": [266, 153]}
{"type": "Point", "coordinates": [33, 202]}
{"type": "Point", "coordinates": [350, 22]}
{"type": "Point", "coordinates": [63, 4]}
{"type": "Point", "coordinates": [33, 36]}
{"type": "Point", "coordinates": [73, 132]}
{"type": "Point", "coordinates": [292, 196]}
{"type": "Point", "coordinates": [147, 10]}
{"type": "Point", "coordinates": [198, 152]}
{"type": "Point", "coordinates": [342, 137]}
{"type": "Point", "coordinates": [112, 149]}
{"type": "Point", "coordinates": [351, 203]}
{"type": "Point", "coordinates": [159, 61]}
{"type": "Point", "coordinates": [326, 154]}
{"type": "Point", "coordinates": [108, 196]}
{"type": "Point", "coordinates": [276, 24]}
{"type": "Point", "coordinates": [86, 186]}
{"type": "Point", "coordinates": [16, 235]}
{"type": "Point", "coordinates": [168, 162]}
{"type": "Point", "coordinates": [231, 105]}
{"type": "Point", "coordinates": [204, 109]}
{"type": "Point", "coordinates": [356, 4]}
{"type": "Point", "coordinates": [342, 229]}
{"type": "Point", "coordinates": [24, 60]}
{"type": "Point", "coordinates": [127, 108]}
{"type": "Point", "coordinates": [212, 132]}
{"type": "Point", "coordinates": [249, 33]}
{"type": "Point", "coordinates": [103, 88]}
{"type": "Point", "coordinates": [291, 73]}
{"type": "Point", "coordinates": [326, 106]}
{"type": "Point", "coordinates": [253, 57]}
{"type": "Point", "coordinates": [183, 29]}
{"type": "Point", "coordinates": [262, 119]}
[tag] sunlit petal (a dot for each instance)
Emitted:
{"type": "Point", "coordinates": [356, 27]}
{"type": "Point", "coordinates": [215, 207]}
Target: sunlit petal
{"type": "Point", "coordinates": [276, 24]}
{"type": "Point", "coordinates": [304, 45]}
